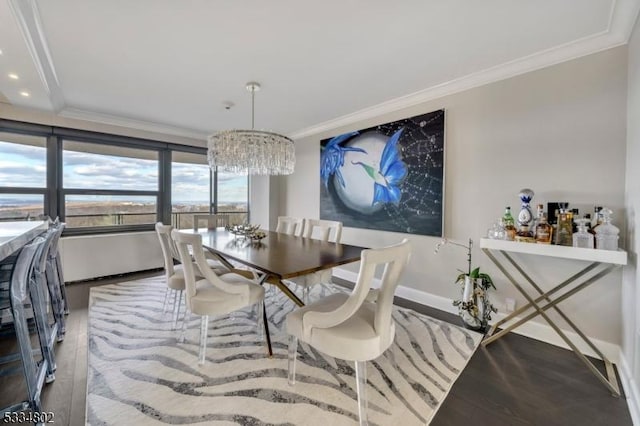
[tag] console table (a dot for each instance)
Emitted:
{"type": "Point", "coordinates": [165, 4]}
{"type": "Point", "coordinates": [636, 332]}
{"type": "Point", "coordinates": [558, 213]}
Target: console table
{"type": "Point", "coordinates": [600, 263]}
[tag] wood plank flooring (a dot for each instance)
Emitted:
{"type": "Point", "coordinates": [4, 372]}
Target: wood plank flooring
{"type": "Point", "coordinates": [514, 381]}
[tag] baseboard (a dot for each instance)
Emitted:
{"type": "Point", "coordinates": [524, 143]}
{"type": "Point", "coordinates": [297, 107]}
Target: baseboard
{"type": "Point", "coordinates": [534, 330]}
{"type": "Point", "coordinates": [630, 389]}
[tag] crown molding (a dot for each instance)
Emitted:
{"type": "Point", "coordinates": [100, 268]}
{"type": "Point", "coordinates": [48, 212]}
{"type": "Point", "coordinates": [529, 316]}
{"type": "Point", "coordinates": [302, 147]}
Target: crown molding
{"type": "Point", "coordinates": [621, 22]}
{"type": "Point", "coordinates": [27, 16]}
{"type": "Point", "coordinates": [114, 120]}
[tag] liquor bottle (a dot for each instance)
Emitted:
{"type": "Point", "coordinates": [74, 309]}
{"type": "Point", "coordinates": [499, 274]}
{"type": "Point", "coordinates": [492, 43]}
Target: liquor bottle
{"type": "Point", "coordinates": [607, 233]}
{"type": "Point", "coordinates": [544, 231]}
{"type": "Point", "coordinates": [589, 226]}
{"type": "Point", "coordinates": [525, 216]}
{"type": "Point", "coordinates": [597, 217]}
{"type": "Point", "coordinates": [582, 238]}
{"type": "Point", "coordinates": [576, 217]}
{"type": "Point", "coordinates": [564, 233]}
{"type": "Point", "coordinates": [509, 224]}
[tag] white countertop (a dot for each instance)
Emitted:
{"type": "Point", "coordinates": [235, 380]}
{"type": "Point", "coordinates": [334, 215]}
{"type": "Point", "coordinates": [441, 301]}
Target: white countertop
{"type": "Point", "coordinates": [618, 257]}
{"type": "Point", "coordinates": [14, 235]}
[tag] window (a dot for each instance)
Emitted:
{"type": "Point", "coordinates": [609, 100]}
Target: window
{"type": "Point", "coordinates": [109, 185]}
{"type": "Point", "coordinates": [23, 176]}
{"type": "Point", "coordinates": [233, 196]}
{"type": "Point", "coordinates": [97, 182]}
{"type": "Point", "coordinates": [190, 188]}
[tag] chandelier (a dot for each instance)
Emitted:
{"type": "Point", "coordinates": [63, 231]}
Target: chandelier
{"type": "Point", "coordinates": [253, 152]}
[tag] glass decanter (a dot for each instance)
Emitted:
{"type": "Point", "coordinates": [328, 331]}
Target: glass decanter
{"type": "Point", "coordinates": [583, 238]}
{"type": "Point", "coordinates": [564, 233]}
{"type": "Point", "coordinates": [607, 233]}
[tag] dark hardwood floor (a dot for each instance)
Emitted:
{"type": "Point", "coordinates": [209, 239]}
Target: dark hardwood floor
{"type": "Point", "coordinates": [514, 381]}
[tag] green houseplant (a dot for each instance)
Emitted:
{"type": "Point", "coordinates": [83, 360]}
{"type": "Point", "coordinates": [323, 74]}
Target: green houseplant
{"type": "Point", "coordinates": [474, 305]}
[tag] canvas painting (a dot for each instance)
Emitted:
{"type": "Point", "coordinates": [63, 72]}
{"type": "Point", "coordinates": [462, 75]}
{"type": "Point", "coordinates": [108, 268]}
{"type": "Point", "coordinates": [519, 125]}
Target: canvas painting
{"type": "Point", "coordinates": [388, 177]}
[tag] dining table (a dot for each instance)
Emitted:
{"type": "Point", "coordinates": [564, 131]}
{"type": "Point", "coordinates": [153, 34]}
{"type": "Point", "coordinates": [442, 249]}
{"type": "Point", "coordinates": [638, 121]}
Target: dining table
{"type": "Point", "coordinates": [277, 257]}
{"type": "Point", "coordinates": [15, 234]}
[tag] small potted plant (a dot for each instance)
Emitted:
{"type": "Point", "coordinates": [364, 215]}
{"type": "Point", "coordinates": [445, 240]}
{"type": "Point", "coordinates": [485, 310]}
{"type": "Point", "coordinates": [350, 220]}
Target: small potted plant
{"type": "Point", "coordinates": [474, 306]}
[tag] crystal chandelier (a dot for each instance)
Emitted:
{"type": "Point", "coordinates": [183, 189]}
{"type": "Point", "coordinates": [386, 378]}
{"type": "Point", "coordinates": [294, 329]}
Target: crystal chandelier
{"type": "Point", "coordinates": [253, 152]}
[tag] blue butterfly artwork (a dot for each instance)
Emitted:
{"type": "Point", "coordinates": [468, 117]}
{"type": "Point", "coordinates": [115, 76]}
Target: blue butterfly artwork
{"type": "Point", "coordinates": [389, 177]}
{"type": "Point", "coordinates": [392, 172]}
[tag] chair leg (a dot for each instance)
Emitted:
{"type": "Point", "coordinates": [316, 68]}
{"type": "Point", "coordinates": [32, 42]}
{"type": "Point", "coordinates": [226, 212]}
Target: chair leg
{"type": "Point", "coordinates": [293, 351]}
{"type": "Point", "coordinates": [63, 287]}
{"type": "Point", "coordinates": [185, 320]}
{"type": "Point", "coordinates": [166, 298]}
{"type": "Point", "coordinates": [361, 388]}
{"type": "Point", "coordinates": [175, 299]}
{"type": "Point", "coordinates": [260, 319]}
{"type": "Point", "coordinates": [204, 328]}
{"type": "Point", "coordinates": [175, 320]}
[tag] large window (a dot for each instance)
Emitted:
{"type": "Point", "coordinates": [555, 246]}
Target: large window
{"type": "Point", "coordinates": [232, 196]}
{"type": "Point", "coordinates": [192, 191]}
{"type": "Point", "coordinates": [106, 185]}
{"type": "Point", "coordinates": [23, 176]}
{"type": "Point", "coordinates": [190, 188]}
{"type": "Point", "coordinates": [97, 182]}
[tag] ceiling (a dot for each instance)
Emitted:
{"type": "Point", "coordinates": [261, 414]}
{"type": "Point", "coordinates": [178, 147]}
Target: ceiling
{"type": "Point", "coordinates": [172, 65]}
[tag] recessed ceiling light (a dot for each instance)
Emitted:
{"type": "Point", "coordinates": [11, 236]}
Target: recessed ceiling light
{"type": "Point", "coordinates": [13, 76]}
{"type": "Point", "coordinates": [25, 94]}
{"type": "Point", "coordinates": [0, 51]}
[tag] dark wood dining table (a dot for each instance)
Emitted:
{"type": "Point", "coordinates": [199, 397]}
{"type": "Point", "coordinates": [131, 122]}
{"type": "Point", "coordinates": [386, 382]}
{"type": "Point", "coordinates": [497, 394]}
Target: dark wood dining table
{"type": "Point", "coordinates": [278, 257]}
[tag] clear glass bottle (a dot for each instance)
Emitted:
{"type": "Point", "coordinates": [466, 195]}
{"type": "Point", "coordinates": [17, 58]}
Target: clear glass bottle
{"type": "Point", "coordinates": [509, 224]}
{"type": "Point", "coordinates": [564, 233]}
{"type": "Point", "coordinates": [597, 217]}
{"type": "Point", "coordinates": [582, 238]}
{"type": "Point", "coordinates": [544, 231]}
{"type": "Point", "coordinates": [607, 233]}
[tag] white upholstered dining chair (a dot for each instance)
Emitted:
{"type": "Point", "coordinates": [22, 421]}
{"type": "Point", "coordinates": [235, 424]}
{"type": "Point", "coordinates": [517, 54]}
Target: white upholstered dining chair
{"type": "Point", "coordinates": [290, 225]}
{"type": "Point", "coordinates": [353, 327]}
{"type": "Point", "coordinates": [212, 294]}
{"type": "Point", "coordinates": [324, 230]}
{"type": "Point", "coordinates": [174, 273]}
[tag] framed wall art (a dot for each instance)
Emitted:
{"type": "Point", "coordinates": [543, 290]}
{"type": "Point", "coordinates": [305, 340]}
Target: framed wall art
{"type": "Point", "coordinates": [388, 177]}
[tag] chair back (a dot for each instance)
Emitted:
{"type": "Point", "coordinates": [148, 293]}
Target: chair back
{"type": "Point", "coordinates": [191, 244]}
{"type": "Point", "coordinates": [21, 280]}
{"type": "Point", "coordinates": [290, 225]}
{"type": "Point", "coordinates": [394, 259]}
{"type": "Point", "coordinates": [24, 268]}
{"type": "Point", "coordinates": [58, 227]}
{"type": "Point", "coordinates": [169, 250]}
{"type": "Point", "coordinates": [323, 230]}
{"type": "Point", "coordinates": [213, 220]}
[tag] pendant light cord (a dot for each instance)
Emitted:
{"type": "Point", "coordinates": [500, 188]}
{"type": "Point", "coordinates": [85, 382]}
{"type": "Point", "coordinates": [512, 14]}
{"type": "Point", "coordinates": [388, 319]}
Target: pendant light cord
{"type": "Point", "coordinates": [253, 106]}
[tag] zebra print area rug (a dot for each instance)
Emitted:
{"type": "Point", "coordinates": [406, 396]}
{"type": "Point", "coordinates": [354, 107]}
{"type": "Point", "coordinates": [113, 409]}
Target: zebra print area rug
{"type": "Point", "coordinates": [140, 375]}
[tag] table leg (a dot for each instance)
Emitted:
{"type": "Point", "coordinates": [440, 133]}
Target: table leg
{"type": "Point", "coordinates": [291, 295]}
{"type": "Point", "coordinates": [610, 381]}
{"type": "Point", "coordinates": [265, 320]}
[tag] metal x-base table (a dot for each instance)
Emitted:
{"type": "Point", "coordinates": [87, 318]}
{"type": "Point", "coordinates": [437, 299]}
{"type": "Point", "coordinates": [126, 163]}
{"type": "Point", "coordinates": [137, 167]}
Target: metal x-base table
{"type": "Point", "coordinates": [602, 262]}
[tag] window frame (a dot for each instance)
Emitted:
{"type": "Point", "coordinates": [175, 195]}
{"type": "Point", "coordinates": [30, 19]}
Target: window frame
{"type": "Point", "coordinates": [55, 193]}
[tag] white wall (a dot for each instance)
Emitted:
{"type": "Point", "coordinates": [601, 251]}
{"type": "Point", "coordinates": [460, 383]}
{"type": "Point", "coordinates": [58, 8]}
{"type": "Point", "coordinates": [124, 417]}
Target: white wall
{"type": "Point", "coordinates": [631, 277]}
{"type": "Point", "coordinates": [559, 131]}
{"type": "Point", "coordinates": [264, 200]}
{"type": "Point", "coordinates": [93, 256]}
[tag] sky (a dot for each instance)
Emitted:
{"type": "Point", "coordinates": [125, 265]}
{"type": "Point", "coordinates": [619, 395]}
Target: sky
{"type": "Point", "coordinates": [24, 165]}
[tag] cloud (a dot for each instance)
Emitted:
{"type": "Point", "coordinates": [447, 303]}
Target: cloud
{"type": "Point", "coordinates": [27, 152]}
{"type": "Point", "coordinates": [16, 174]}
